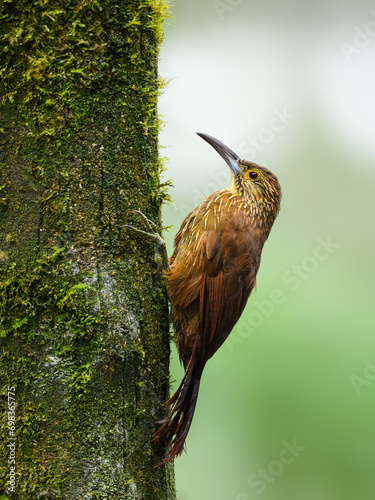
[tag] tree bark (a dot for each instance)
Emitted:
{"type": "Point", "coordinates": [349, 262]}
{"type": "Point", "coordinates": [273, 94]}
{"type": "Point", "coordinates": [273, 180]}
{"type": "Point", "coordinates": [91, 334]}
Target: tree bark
{"type": "Point", "coordinates": [84, 329]}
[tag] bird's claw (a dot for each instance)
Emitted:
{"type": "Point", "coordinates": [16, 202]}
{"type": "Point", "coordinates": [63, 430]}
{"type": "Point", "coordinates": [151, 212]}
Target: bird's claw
{"type": "Point", "coordinates": [149, 223]}
{"type": "Point", "coordinates": [161, 257]}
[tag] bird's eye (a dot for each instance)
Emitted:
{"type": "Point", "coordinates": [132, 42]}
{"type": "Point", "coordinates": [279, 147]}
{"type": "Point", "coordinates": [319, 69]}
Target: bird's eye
{"type": "Point", "coordinates": [253, 175]}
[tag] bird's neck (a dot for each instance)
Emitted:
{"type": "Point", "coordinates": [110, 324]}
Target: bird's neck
{"type": "Point", "coordinates": [260, 211]}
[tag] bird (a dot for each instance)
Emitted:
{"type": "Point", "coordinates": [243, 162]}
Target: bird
{"type": "Point", "coordinates": [210, 275]}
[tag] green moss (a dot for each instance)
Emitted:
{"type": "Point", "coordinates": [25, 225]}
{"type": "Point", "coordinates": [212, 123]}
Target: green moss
{"type": "Point", "coordinates": [44, 313]}
{"type": "Point", "coordinates": [31, 291]}
{"type": "Point", "coordinates": [4, 195]}
{"type": "Point", "coordinates": [83, 319]}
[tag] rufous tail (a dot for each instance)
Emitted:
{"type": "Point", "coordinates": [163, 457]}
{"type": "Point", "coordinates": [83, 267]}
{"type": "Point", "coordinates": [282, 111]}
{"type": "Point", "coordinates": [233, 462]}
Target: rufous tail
{"type": "Point", "coordinates": [181, 410]}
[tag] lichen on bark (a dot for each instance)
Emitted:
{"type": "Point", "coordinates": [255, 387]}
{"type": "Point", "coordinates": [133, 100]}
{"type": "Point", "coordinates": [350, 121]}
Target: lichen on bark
{"type": "Point", "coordinates": [84, 328]}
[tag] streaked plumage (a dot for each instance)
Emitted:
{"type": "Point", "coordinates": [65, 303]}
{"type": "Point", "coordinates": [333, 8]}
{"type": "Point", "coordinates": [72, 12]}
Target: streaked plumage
{"type": "Point", "coordinates": [211, 274]}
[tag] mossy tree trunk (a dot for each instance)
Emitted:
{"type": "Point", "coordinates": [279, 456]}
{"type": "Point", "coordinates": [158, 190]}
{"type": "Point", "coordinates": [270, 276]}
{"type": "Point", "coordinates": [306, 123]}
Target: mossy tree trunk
{"type": "Point", "coordinates": [83, 318]}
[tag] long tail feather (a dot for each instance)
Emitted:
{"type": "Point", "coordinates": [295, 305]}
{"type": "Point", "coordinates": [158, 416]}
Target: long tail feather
{"type": "Point", "coordinates": [176, 425]}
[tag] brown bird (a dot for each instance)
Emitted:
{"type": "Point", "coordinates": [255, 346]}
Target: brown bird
{"type": "Point", "coordinates": [210, 276]}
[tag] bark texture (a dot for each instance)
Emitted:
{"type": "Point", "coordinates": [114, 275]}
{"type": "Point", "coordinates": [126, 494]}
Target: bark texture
{"type": "Point", "coordinates": [84, 333]}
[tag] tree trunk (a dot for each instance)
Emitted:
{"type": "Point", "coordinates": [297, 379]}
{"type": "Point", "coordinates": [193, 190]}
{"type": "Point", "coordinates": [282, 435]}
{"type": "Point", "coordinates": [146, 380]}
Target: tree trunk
{"type": "Point", "coordinates": [84, 328]}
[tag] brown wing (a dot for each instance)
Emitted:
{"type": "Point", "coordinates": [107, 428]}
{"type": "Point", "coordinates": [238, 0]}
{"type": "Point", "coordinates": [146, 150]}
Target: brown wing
{"type": "Point", "coordinates": [211, 275]}
{"type": "Point", "coordinates": [227, 280]}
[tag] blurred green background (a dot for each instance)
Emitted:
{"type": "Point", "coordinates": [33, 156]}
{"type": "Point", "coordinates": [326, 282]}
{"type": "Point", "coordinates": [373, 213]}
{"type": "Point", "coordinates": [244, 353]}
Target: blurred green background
{"type": "Point", "coordinates": [286, 409]}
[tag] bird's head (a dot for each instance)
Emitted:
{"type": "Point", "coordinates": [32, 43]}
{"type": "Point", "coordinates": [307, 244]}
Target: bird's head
{"type": "Point", "coordinates": [254, 183]}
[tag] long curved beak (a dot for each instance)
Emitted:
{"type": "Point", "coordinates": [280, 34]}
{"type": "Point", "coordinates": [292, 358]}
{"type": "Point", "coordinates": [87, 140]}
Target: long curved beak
{"type": "Point", "coordinates": [227, 154]}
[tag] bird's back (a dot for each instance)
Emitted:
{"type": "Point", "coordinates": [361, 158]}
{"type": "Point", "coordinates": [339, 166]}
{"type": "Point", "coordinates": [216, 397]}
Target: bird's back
{"type": "Point", "coordinates": [212, 272]}
{"type": "Point", "coordinates": [210, 277]}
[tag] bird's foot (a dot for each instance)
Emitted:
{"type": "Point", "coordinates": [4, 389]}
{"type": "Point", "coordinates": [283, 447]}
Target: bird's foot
{"type": "Point", "coordinates": [161, 256]}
